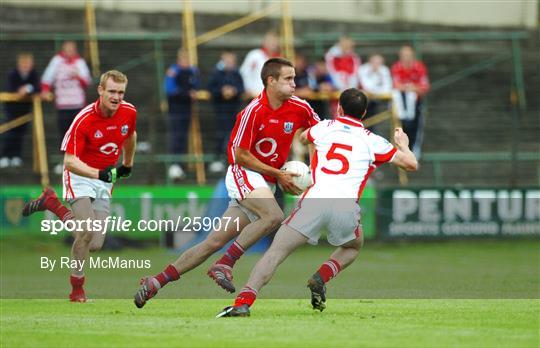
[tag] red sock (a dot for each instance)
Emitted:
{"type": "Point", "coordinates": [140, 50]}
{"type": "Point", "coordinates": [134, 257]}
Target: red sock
{"type": "Point", "coordinates": [232, 254]}
{"type": "Point", "coordinates": [76, 282]}
{"type": "Point", "coordinates": [169, 274]}
{"type": "Point", "coordinates": [53, 204]}
{"type": "Point", "coordinates": [329, 270]}
{"type": "Point", "coordinates": [246, 296]}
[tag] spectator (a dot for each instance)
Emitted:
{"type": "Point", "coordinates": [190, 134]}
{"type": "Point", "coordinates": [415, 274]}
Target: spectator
{"type": "Point", "coordinates": [181, 84]}
{"type": "Point", "coordinates": [321, 82]}
{"type": "Point", "coordinates": [227, 87]}
{"type": "Point", "coordinates": [310, 80]}
{"type": "Point", "coordinates": [23, 80]}
{"type": "Point", "coordinates": [376, 81]}
{"type": "Point", "coordinates": [255, 59]}
{"type": "Point", "coordinates": [412, 84]}
{"type": "Point", "coordinates": [303, 89]}
{"type": "Point", "coordinates": [68, 75]}
{"type": "Point", "coordinates": [343, 64]}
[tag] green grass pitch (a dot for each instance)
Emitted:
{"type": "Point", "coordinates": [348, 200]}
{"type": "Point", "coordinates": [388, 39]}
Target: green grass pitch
{"type": "Point", "coordinates": [274, 323]}
{"type": "Point", "coordinates": [448, 294]}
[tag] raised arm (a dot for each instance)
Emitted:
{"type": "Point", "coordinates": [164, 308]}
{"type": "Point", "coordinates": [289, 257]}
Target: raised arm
{"type": "Point", "coordinates": [404, 157]}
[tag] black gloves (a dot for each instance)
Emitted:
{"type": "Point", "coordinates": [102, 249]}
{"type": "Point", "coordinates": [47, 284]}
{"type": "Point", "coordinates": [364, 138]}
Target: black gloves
{"type": "Point", "coordinates": [111, 174]}
{"type": "Point", "coordinates": [108, 174]}
{"type": "Point", "coordinates": [123, 171]}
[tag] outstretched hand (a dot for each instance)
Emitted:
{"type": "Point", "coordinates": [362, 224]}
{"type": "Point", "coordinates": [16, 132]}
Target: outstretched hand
{"type": "Point", "coordinates": [400, 138]}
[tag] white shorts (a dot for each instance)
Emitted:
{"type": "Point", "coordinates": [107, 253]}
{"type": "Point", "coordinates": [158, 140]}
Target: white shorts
{"type": "Point", "coordinates": [76, 186]}
{"type": "Point", "coordinates": [240, 182]}
{"type": "Point", "coordinates": [341, 217]}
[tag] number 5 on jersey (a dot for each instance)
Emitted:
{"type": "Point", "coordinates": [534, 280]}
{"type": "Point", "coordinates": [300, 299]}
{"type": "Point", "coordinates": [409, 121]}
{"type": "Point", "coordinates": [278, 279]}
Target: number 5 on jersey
{"type": "Point", "coordinates": [333, 154]}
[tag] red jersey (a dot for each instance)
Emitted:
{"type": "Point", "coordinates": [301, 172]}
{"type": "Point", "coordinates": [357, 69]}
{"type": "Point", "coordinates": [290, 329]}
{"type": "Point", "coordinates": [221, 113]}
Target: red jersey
{"type": "Point", "coordinates": [417, 75]}
{"type": "Point", "coordinates": [97, 140]}
{"type": "Point", "coordinates": [268, 133]}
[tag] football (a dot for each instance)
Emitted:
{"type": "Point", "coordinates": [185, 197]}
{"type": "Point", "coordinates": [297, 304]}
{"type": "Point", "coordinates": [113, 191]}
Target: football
{"type": "Point", "coordinates": [303, 181]}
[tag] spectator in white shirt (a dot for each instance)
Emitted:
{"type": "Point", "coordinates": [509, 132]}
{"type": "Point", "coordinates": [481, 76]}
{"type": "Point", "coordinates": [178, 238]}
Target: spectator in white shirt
{"type": "Point", "coordinates": [68, 76]}
{"type": "Point", "coordinates": [255, 59]}
{"type": "Point", "coordinates": [376, 81]}
{"type": "Point", "coordinates": [343, 62]}
{"type": "Point", "coordinates": [375, 77]}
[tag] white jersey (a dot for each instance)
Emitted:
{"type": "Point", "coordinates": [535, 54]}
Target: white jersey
{"type": "Point", "coordinates": [251, 70]}
{"type": "Point", "coordinates": [69, 90]}
{"type": "Point", "coordinates": [345, 155]}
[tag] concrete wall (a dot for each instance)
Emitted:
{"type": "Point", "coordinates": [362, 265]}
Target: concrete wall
{"type": "Point", "coordinates": [515, 13]}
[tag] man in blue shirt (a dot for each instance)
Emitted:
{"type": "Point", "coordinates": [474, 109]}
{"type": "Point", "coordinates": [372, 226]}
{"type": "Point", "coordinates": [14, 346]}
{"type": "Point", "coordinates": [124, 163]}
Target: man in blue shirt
{"type": "Point", "coordinates": [226, 86]}
{"type": "Point", "coordinates": [24, 81]}
{"type": "Point", "coordinates": [181, 83]}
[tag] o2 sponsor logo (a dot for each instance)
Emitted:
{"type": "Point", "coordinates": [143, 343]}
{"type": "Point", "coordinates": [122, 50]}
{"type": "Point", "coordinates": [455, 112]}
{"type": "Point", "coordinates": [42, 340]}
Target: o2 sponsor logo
{"type": "Point", "coordinates": [109, 148]}
{"type": "Point", "coordinates": [271, 152]}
